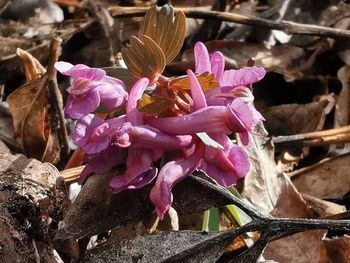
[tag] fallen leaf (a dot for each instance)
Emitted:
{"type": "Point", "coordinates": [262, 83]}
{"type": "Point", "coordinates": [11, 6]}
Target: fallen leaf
{"type": "Point", "coordinates": [164, 247]}
{"type": "Point", "coordinates": [342, 107]}
{"type": "Point", "coordinates": [32, 67]}
{"type": "Point", "coordinates": [289, 119]}
{"type": "Point", "coordinates": [262, 185]}
{"type": "Point", "coordinates": [321, 208]}
{"type": "Point", "coordinates": [36, 107]}
{"type": "Point", "coordinates": [338, 249]}
{"type": "Point", "coordinates": [272, 192]}
{"type": "Point", "coordinates": [97, 210]}
{"type": "Point", "coordinates": [325, 180]}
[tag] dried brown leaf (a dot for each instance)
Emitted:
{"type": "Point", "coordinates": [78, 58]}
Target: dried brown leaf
{"type": "Point", "coordinates": [342, 108]}
{"type": "Point", "coordinates": [32, 67]}
{"type": "Point", "coordinates": [288, 119]}
{"type": "Point", "coordinates": [168, 32]}
{"type": "Point", "coordinates": [327, 179]}
{"type": "Point", "coordinates": [32, 111]}
{"type": "Point", "coordinates": [338, 249]}
{"type": "Point", "coordinates": [272, 192]}
{"type": "Point", "coordinates": [322, 208]}
{"type": "Point", "coordinates": [30, 108]}
{"type": "Point", "coordinates": [144, 57]}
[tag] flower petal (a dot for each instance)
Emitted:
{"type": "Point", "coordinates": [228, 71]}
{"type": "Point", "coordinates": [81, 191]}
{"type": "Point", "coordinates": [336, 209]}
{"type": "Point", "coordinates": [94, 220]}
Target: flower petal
{"type": "Point", "coordinates": [80, 71]}
{"type": "Point", "coordinates": [133, 115]}
{"type": "Point", "coordinates": [139, 161]}
{"type": "Point", "coordinates": [151, 138]}
{"type": "Point", "coordinates": [112, 96]}
{"type": "Point", "coordinates": [217, 62]}
{"type": "Point", "coordinates": [217, 119]}
{"type": "Point", "coordinates": [84, 174]}
{"type": "Point", "coordinates": [93, 134]}
{"type": "Point", "coordinates": [242, 77]}
{"type": "Point", "coordinates": [198, 96]}
{"type": "Point", "coordinates": [225, 166]}
{"type": "Point", "coordinates": [171, 173]}
{"type": "Point", "coordinates": [83, 127]}
{"type": "Point", "coordinates": [79, 106]}
{"type": "Point", "coordinates": [201, 58]}
{"type": "Point", "coordinates": [104, 161]}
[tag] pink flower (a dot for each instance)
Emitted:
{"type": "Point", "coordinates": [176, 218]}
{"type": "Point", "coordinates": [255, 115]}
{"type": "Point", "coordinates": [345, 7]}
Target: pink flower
{"type": "Point", "coordinates": [225, 165]}
{"type": "Point", "coordinates": [171, 173]}
{"type": "Point", "coordinates": [94, 134]}
{"type": "Point", "coordinates": [90, 89]}
{"type": "Point", "coordinates": [139, 163]}
{"type": "Point", "coordinates": [230, 80]}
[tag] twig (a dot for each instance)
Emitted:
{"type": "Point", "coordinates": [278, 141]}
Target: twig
{"type": "Point", "coordinates": [326, 137]}
{"type": "Point", "coordinates": [57, 119]}
{"type": "Point", "coordinates": [288, 27]}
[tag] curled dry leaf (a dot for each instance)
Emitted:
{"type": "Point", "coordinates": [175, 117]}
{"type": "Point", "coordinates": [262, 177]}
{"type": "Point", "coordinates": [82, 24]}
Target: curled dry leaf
{"type": "Point", "coordinates": [288, 119]}
{"type": "Point", "coordinates": [327, 179]}
{"type": "Point", "coordinates": [322, 208]}
{"type": "Point", "coordinates": [342, 108]}
{"type": "Point", "coordinates": [338, 249]}
{"type": "Point", "coordinates": [272, 192]}
{"type": "Point", "coordinates": [144, 57]}
{"type": "Point", "coordinates": [35, 108]}
{"type": "Point", "coordinates": [32, 67]}
{"type": "Point", "coordinates": [168, 32]}
{"type": "Point", "coordinates": [97, 210]}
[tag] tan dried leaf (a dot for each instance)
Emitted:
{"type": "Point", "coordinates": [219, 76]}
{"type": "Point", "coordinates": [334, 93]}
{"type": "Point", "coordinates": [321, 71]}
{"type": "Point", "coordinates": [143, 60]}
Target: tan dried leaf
{"type": "Point", "coordinates": [30, 109]}
{"type": "Point", "coordinates": [32, 67]}
{"type": "Point", "coordinates": [327, 179]}
{"type": "Point", "coordinates": [168, 32]}
{"type": "Point", "coordinates": [34, 116]}
{"type": "Point", "coordinates": [144, 57]}
{"type": "Point", "coordinates": [272, 192]}
{"type": "Point", "coordinates": [342, 107]}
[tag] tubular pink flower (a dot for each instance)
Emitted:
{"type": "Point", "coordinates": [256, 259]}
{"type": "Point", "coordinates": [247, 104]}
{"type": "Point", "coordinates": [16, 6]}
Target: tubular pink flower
{"type": "Point", "coordinates": [201, 58]}
{"type": "Point", "coordinates": [228, 79]}
{"type": "Point", "coordinates": [145, 136]}
{"type": "Point", "coordinates": [90, 89]}
{"type": "Point", "coordinates": [171, 173]}
{"type": "Point", "coordinates": [102, 162]}
{"type": "Point", "coordinates": [93, 134]}
{"type": "Point", "coordinates": [139, 171]}
{"type": "Point", "coordinates": [225, 166]}
{"type": "Point", "coordinates": [198, 96]}
{"type": "Point", "coordinates": [133, 115]}
{"type": "Point", "coordinates": [236, 117]}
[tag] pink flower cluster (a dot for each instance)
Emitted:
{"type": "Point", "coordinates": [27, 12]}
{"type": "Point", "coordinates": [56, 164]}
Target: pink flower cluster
{"type": "Point", "coordinates": [135, 142]}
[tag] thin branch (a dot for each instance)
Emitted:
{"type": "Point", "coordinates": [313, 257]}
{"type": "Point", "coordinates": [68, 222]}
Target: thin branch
{"type": "Point", "coordinates": [319, 138]}
{"type": "Point", "coordinates": [57, 117]}
{"type": "Point", "coordinates": [288, 27]}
